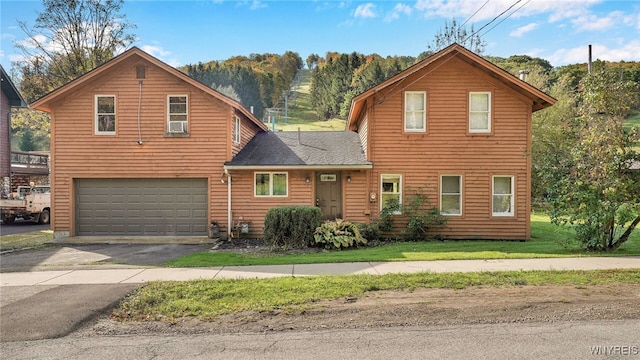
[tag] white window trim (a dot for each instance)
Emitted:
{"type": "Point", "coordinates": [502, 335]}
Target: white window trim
{"type": "Point", "coordinates": [382, 177]}
{"type": "Point", "coordinates": [236, 128]}
{"type": "Point", "coordinates": [424, 111]}
{"type": "Point", "coordinates": [459, 194]}
{"type": "Point", "coordinates": [169, 96]}
{"type": "Point", "coordinates": [115, 114]}
{"type": "Point", "coordinates": [513, 195]}
{"type": "Point", "coordinates": [270, 183]}
{"type": "Point", "coordinates": [489, 109]}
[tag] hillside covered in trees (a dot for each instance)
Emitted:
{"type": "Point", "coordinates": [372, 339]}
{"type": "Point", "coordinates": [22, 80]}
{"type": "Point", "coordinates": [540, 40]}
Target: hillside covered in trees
{"type": "Point", "coordinates": [258, 81]}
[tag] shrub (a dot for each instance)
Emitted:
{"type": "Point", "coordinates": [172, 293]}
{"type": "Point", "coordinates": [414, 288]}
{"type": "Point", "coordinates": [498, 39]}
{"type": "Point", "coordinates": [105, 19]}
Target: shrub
{"type": "Point", "coordinates": [338, 234]}
{"type": "Point", "coordinates": [385, 221]}
{"type": "Point", "coordinates": [291, 226]}
{"type": "Point", "coordinates": [371, 231]}
{"type": "Point", "coordinates": [423, 217]}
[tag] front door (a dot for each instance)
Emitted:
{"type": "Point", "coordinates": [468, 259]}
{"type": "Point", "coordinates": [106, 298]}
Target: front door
{"type": "Point", "coordinates": [329, 194]}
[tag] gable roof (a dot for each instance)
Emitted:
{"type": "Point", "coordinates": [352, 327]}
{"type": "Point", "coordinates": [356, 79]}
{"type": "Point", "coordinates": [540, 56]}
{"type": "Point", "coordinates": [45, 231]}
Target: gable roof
{"type": "Point", "coordinates": [10, 90]}
{"type": "Point", "coordinates": [300, 149]}
{"type": "Point", "coordinates": [540, 100]}
{"type": "Point", "coordinates": [43, 104]}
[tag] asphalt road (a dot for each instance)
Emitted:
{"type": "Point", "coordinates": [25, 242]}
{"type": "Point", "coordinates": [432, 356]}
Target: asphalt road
{"type": "Point", "coordinates": [45, 312]}
{"type": "Point", "coordinates": [558, 340]}
{"type": "Point", "coordinates": [22, 226]}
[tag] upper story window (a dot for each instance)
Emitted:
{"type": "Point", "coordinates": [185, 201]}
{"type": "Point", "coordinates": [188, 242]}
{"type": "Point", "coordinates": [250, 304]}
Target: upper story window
{"type": "Point", "coordinates": [390, 188]}
{"type": "Point", "coordinates": [236, 129]}
{"type": "Point", "coordinates": [271, 184]}
{"type": "Point", "coordinates": [177, 114]}
{"type": "Point", "coordinates": [415, 111]}
{"type": "Point", "coordinates": [503, 196]}
{"type": "Point", "coordinates": [451, 195]}
{"type": "Point", "coordinates": [480, 112]}
{"type": "Point", "coordinates": [105, 117]}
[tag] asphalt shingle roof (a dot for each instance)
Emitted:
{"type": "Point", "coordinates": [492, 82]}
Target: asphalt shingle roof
{"type": "Point", "coordinates": [304, 148]}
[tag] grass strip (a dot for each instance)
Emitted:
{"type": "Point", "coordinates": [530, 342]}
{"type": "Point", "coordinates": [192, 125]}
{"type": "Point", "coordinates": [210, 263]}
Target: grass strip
{"type": "Point", "coordinates": [547, 241]}
{"type": "Point", "coordinates": [206, 299]}
{"type": "Point", "coordinates": [25, 240]}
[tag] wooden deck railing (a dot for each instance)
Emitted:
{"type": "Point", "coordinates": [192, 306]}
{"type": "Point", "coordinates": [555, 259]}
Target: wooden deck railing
{"type": "Point", "coordinates": [29, 159]}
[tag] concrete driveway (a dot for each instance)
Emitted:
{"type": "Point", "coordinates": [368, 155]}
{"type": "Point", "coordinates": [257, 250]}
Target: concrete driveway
{"type": "Point", "coordinates": [88, 256]}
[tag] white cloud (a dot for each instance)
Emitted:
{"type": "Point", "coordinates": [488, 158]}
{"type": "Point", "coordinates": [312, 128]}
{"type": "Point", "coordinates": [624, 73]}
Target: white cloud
{"type": "Point", "coordinates": [627, 52]}
{"type": "Point", "coordinates": [160, 53]}
{"type": "Point", "coordinates": [595, 23]}
{"type": "Point", "coordinates": [7, 37]}
{"type": "Point", "coordinates": [257, 4]}
{"type": "Point", "coordinates": [523, 30]}
{"type": "Point", "coordinates": [399, 9]}
{"type": "Point", "coordinates": [556, 9]}
{"type": "Point", "coordinates": [365, 11]}
{"type": "Point", "coordinates": [155, 51]}
{"type": "Point", "coordinates": [31, 43]}
{"type": "Point", "coordinates": [632, 20]}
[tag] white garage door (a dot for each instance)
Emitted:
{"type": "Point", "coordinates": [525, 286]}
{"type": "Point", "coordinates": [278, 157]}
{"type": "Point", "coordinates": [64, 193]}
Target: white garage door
{"type": "Point", "coordinates": [141, 207]}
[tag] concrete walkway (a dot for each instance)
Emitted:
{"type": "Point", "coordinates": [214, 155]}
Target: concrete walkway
{"type": "Point", "coordinates": [140, 275]}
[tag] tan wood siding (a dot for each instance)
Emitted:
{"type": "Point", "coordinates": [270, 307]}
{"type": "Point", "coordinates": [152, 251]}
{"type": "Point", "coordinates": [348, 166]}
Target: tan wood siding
{"type": "Point", "coordinates": [356, 196]}
{"type": "Point", "coordinates": [253, 209]}
{"type": "Point", "coordinates": [79, 153]}
{"type": "Point", "coordinates": [247, 131]}
{"type": "Point", "coordinates": [364, 134]}
{"type": "Point", "coordinates": [448, 148]}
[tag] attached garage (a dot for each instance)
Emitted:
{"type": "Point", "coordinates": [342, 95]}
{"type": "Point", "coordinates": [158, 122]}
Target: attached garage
{"type": "Point", "coordinates": [141, 207]}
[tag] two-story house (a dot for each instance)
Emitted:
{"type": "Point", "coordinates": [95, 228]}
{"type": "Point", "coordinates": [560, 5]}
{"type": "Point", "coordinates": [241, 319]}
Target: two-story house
{"type": "Point", "coordinates": [458, 127]}
{"type": "Point", "coordinates": [141, 149]}
{"type": "Point", "coordinates": [138, 148]}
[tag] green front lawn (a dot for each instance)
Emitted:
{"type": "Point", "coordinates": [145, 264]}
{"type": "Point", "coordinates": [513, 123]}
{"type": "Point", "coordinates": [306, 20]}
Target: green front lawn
{"type": "Point", "coordinates": [547, 240]}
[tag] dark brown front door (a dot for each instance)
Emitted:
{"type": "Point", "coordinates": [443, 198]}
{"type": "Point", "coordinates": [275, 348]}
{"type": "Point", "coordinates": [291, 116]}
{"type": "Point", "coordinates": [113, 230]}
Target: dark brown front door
{"type": "Point", "coordinates": [329, 194]}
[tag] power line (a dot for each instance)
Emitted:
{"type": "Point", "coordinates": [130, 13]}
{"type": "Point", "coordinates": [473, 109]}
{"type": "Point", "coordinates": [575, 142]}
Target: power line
{"type": "Point", "coordinates": [494, 26]}
{"type": "Point", "coordinates": [474, 14]}
{"type": "Point", "coordinates": [494, 19]}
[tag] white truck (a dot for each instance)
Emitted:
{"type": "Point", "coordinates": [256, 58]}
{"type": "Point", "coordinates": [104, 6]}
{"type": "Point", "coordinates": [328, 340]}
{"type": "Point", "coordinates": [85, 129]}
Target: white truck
{"type": "Point", "coordinates": [29, 203]}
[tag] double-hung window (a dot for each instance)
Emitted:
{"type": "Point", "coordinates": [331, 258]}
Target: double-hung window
{"type": "Point", "coordinates": [415, 111]}
{"type": "Point", "coordinates": [271, 184]}
{"type": "Point", "coordinates": [451, 195]}
{"type": "Point", "coordinates": [177, 114]}
{"type": "Point", "coordinates": [503, 196]}
{"type": "Point", "coordinates": [480, 112]}
{"type": "Point", "coordinates": [236, 129]}
{"type": "Point", "coordinates": [391, 191]}
{"type": "Point", "coordinates": [105, 116]}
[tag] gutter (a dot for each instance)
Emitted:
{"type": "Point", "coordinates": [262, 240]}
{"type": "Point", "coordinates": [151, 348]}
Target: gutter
{"type": "Point", "coordinates": [229, 211]}
{"type": "Point", "coordinates": [298, 167]}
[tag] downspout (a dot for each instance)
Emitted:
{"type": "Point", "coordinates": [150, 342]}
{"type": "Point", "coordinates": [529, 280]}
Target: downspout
{"type": "Point", "coordinates": [229, 213]}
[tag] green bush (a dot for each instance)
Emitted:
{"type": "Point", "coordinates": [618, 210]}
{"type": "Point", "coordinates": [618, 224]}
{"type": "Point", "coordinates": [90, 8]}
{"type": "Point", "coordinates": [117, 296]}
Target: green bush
{"type": "Point", "coordinates": [338, 234]}
{"type": "Point", "coordinates": [291, 227]}
{"type": "Point", "coordinates": [371, 231]}
{"type": "Point", "coordinates": [423, 217]}
{"type": "Point", "coordinates": [378, 226]}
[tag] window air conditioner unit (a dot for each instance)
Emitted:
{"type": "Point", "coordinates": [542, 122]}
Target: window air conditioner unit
{"type": "Point", "coordinates": [177, 126]}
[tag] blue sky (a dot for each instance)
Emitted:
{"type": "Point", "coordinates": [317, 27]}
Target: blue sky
{"type": "Point", "coordinates": [191, 31]}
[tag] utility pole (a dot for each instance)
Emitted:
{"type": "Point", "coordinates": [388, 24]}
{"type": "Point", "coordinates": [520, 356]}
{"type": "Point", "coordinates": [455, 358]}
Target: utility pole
{"type": "Point", "coordinates": [286, 106]}
{"type": "Point", "coordinates": [590, 63]}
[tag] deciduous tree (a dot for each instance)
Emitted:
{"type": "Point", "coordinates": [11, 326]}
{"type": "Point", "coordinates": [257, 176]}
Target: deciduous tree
{"type": "Point", "coordinates": [593, 186]}
{"type": "Point", "coordinates": [69, 38]}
